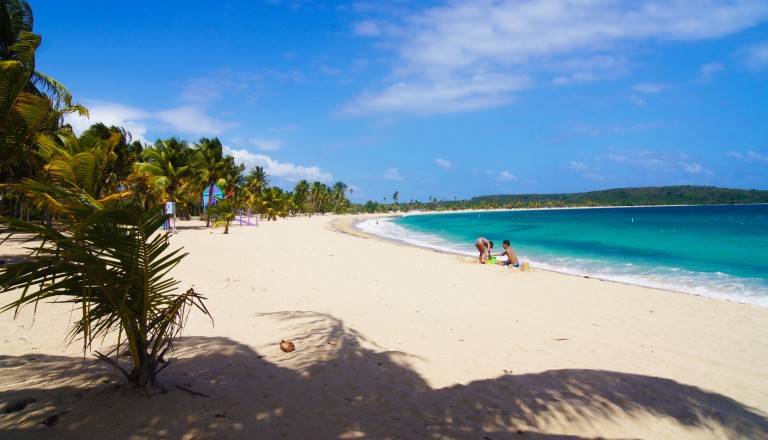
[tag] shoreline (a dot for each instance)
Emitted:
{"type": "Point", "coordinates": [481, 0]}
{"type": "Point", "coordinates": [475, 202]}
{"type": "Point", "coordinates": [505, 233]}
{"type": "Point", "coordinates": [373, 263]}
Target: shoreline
{"type": "Point", "coordinates": [400, 342]}
{"type": "Point", "coordinates": [744, 299]}
{"type": "Point", "coordinates": [348, 227]}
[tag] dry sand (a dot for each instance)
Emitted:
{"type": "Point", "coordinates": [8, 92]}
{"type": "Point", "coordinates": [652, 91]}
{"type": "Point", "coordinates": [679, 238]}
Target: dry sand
{"type": "Point", "coordinates": [398, 342]}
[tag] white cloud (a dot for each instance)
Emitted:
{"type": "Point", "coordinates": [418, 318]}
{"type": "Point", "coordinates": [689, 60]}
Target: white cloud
{"type": "Point", "coordinates": [261, 144]}
{"type": "Point", "coordinates": [424, 98]}
{"type": "Point", "coordinates": [443, 163]}
{"type": "Point", "coordinates": [193, 120]}
{"type": "Point", "coordinates": [750, 156]}
{"type": "Point", "coordinates": [367, 28]}
{"type": "Point", "coordinates": [466, 33]}
{"type": "Point", "coordinates": [392, 174]}
{"type": "Point", "coordinates": [505, 176]}
{"type": "Point", "coordinates": [649, 88]}
{"type": "Point", "coordinates": [187, 120]}
{"type": "Point", "coordinates": [129, 118]}
{"type": "Point", "coordinates": [442, 50]}
{"type": "Point", "coordinates": [637, 100]}
{"type": "Point", "coordinates": [595, 176]}
{"type": "Point", "coordinates": [284, 171]}
{"type": "Point", "coordinates": [756, 56]}
{"type": "Point", "coordinates": [577, 166]}
{"type": "Point", "coordinates": [285, 128]}
{"type": "Point", "coordinates": [692, 168]}
{"type": "Point", "coordinates": [707, 72]}
{"type": "Point", "coordinates": [220, 84]}
{"type": "Point", "coordinates": [655, 162]}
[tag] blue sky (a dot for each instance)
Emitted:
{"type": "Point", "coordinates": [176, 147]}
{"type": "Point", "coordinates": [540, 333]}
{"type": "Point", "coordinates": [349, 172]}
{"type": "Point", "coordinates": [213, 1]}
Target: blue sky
{"type": "Point", "coordinates": [443, 99]}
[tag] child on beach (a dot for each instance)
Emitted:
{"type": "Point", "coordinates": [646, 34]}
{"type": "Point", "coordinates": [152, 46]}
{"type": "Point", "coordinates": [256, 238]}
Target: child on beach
{"type": "Point", "coordinates": [484, 246]}
{"type": "Point", "coordinates": [511, 257]}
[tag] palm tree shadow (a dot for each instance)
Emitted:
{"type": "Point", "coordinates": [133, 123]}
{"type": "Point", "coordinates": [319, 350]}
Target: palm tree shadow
{"type": "Point", "coordinates": [337, 384]}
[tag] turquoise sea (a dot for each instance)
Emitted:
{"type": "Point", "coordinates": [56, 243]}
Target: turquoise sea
{"type": "Point", "coordinates": [716, 251]}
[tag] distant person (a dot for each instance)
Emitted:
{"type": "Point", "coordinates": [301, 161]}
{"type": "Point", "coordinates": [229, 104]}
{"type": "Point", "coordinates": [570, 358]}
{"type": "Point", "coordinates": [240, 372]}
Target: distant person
{"type": "Point", "coordinates": [510, 254]}
{"type": "Point", "coordinates": [483, 246]}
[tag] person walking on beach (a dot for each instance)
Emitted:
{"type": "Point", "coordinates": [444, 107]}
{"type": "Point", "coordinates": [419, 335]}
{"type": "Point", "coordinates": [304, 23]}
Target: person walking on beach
{"type": "Point", "coordinates": [483, 246]}
{"type": "Point", "coordinates": [511, 257]}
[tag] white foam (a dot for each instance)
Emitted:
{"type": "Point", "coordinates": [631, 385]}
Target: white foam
{"type": "Point", "coordinates": [714, 285]}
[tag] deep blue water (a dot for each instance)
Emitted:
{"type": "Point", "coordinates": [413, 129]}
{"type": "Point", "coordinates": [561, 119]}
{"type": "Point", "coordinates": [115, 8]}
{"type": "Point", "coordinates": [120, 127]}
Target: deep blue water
{"type": "Point", "coordinates": [719, 251]}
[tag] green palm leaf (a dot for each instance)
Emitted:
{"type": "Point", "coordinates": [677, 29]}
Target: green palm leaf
{"type": "Point", "coordinates": [113, 264]}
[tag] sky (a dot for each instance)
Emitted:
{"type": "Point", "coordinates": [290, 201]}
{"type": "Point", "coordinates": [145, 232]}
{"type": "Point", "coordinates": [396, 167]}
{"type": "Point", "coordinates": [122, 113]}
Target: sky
{"type": "Point", "coordinates": [432, 99]}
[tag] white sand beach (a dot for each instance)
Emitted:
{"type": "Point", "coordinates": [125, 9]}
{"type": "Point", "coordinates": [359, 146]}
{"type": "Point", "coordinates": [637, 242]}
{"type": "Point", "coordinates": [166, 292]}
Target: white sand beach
{"type": "Point", "coordinates": [397, 342]}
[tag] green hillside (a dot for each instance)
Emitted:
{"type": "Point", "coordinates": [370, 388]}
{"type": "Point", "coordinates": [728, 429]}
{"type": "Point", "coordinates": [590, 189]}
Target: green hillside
{"type": "Point", "coordinates": [663, 195]}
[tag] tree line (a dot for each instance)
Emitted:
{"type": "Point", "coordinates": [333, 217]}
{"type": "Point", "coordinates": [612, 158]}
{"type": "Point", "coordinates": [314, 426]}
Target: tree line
{"type": "Point", "coordinates": [94, 204]}
{"type": "Point", "coordinates": [643, 196]}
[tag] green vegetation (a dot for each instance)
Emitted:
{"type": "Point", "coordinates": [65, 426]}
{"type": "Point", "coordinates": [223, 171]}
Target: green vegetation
{"type": "Point", "coordinates": [664, 195]}
{"type": "Point", "coordinates": [111, 263]}
{"type": "Point", "coordinates": [95, 202]}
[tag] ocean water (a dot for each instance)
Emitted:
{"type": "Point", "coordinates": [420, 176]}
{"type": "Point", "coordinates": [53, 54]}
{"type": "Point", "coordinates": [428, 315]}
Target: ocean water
{"type": "Point", "coordinates": [716, 251]}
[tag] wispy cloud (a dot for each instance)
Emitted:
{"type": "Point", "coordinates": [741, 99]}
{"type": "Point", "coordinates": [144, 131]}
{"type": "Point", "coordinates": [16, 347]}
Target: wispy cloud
{"type": "Point", "coordinates": [186, 120]}
{"type": "Point", "coordinates": [367, 28]}
{"type": "Point", "coordinates": [750, 156]}
{"type": "Point", "coordinates": [392, 174]}
{"type": "Point", "coordinates": [576, 166]}
{"type": "Point", "coordinates": [221, 84]}
{"type": "Point", "coordinates": [284, 171]}
{"type": "Point", "coordinates": [655, 162]}
{"type": "Point", "coordinates": [441, 51]}
{"type": "Point", "coordinates": [261, 144]}
{"type": "Point", "coordinates": [193, 120]}
{"type": "Point", "coordinates": [424, 98]}
{"type": "Point", "coordinates": [505, 176]}
{"type": "Point", "coordinates": [756, 56]}
{"type": "Point", "coordinates": [443, 163]}
{"type": "Point", "coordinates": [130, 118]}
{"type": "Point", "coordinates": [708, 71]}
{"type": "Point", "coordinates": [585, 171]}
{"type": "Point", "coordinates": [649, 88]}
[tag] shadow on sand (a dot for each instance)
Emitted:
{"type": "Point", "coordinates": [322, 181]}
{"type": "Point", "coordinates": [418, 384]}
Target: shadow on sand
{"type": "Point", "coordinates": [333, 387]}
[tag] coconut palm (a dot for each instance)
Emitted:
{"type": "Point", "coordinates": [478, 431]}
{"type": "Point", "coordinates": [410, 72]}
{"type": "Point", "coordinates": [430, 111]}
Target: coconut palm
{"type": "Point", "coordinates": [301, 195]}
{"type": "Point", "coordinates": [126, 153]}
{"type": "Point", "coordinates": [227, 208]}
{"type": "Point", "coordinates": [167, 164]}
{"type": "Point", "coordinates": [339, 198]}
{"type": "Point", "coordinates": [319, 193]}
{"type": "Point", "coordinates": [274, 202]}
{"type": "Point", "coordinates": [112, 263]}
{"type": "Point", "coordinates": [209, 165]}
{"type": "Point", "coordinates": [32, 105]}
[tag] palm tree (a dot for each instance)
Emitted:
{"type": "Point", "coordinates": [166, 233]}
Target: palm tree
{"type": "Point", "coordinates": [301, 195]}
{"type": "Point", "coordinates": [32, 105]}
{"type": "Point", "coordinates": [227, 208]}
{"type": "Point", "coordinates": [339, 198]}
{"type": "Point", "coordinates": [84, 163]}
{"type": "Point", "coordinates": [209, 165]}
{"type": "Point", "coordinates": [113, 265]}
{"type": "Point", "coordinates": [126, 153]}
{"type": "Point", "coordinates": [167, 164]}
{"type": "Point", "coordinates": [318, 196]}
{"type": "Point", "coordinates": [274, 203]}
{"type": "Point", "coordinates": [255, 182]}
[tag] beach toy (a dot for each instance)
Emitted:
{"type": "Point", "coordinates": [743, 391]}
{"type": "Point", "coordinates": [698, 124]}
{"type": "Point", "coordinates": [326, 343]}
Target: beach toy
{"type": "Point", "coordinates": [492, 260]}
{"type": "Point", "coordinates": [287, 346]}
{"type": "Point", "coordinates": [525, 267]}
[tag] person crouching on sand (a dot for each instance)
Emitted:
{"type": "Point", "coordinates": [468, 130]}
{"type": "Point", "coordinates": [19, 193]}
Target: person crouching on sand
{"type": "Point", "coordinates": [511, 257]}
{"type": "Point", "coordinates": [484, 246]}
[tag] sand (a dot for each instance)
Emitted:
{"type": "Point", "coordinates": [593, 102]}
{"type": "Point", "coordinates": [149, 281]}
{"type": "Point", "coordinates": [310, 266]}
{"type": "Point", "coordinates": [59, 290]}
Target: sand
{"type": "Point", "coordinates": [393, 342]}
